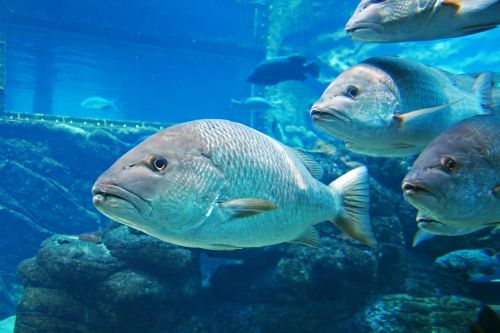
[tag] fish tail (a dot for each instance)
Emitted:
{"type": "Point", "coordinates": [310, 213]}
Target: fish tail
{"type": "Point", "coordinates": [483, 87]}
{"type": "Point", "coordinates": [113, 105]}
{"type": "Point", "coordinates": [496, 101]}
{"type": "Point", "coordinates": [313, 69]}
{"type": "Point", "coordinates": [354, 217]}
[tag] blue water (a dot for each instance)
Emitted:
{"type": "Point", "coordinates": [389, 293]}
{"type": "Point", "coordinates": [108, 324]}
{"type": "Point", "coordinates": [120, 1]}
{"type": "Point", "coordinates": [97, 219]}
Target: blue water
{"type": "Point", "coordinates": [160, 62]}
{"type": "Point", "coordinates": [172, 61]}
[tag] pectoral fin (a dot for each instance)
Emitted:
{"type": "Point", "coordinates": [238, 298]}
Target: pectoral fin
{"type": "Point", "coordinates": [421, 236]}
{"type": "Point", "coordinates": [496, 191]}
{"type": "Point", "coordinates": [309, 237]}
{"type": "Point", "coordinates": [464, 6]}
{"type": "Point", "coordinates": [421, 114]}
{"type": "Point", "coordinates": [239, 208]}
{"type": "Point", "coordinates": [452, 3]}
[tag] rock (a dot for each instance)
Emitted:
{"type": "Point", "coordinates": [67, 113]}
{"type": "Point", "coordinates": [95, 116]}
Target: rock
{"type": "Point", "coordinates": [21, 230]}
{"type": "Point", "coordinates": [50, 310]}
{"type": "Point", "coordinates": [52, 204]}
{"type": "Point", "coordinates": [72, 284]}
{"type": "Point", "coordinates": [7, 302]}
{"type": "Point", "coordinates": [149, 253]}
{"type": "Point", "coordinates": [57, 165]}
{"type": "Point", "coordinates": [402, 313]}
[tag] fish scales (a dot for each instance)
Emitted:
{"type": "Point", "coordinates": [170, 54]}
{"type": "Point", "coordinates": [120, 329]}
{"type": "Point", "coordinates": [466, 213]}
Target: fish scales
{"type": "Point", "coordinates": [245, 171]}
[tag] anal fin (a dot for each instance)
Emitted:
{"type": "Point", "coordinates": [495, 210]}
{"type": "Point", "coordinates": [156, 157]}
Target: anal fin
{"type": "Point", "coordinates": [309, 237]}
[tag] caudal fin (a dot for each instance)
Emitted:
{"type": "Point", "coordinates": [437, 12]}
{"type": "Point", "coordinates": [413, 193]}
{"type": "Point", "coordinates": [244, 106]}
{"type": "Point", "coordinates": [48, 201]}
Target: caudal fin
{"type": "Point", "coordinates": [483, 88]}
{"type": "Point", "coordinates": [354, 216]}
{"type": "Point", "coordinates": [496, 101]}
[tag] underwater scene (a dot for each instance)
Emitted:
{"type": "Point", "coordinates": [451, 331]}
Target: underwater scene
{"type": "Point", "coordinates": [259, 166]}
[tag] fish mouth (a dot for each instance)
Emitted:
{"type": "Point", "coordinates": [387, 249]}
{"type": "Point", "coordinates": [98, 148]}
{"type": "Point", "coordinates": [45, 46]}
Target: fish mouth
{"type": "Point", "coordinates": [424, 221]}
{"type": "Point", "coordinates": [361, 27]}
{"type": "Point", "coordinates": [330, 115]}
{"type": "Point", "coordinates": [412, 191]}
{"type": "Point", "coordinates": [110, 195]}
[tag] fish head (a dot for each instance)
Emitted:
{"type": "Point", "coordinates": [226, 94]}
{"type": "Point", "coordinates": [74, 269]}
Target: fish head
{"type": "Point", "coordinates": [358, 104]}
{"type": "Point", "coordinates": [451, 179]}
{"type": "Point", "coordinates": [161, 187]}
{"type": "Point", "coordinates": [386, 20]}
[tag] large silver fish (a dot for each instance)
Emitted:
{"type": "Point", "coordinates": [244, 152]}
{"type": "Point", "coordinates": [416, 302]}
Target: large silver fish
{"type": "Point", "coordinates": [411, 20]}
{"type": "Point", "coordinates": [219, 185]}
{"type": "Point", "coordinates": [455, 182]}
{"type": "Point", "coordinates": [390, 106]}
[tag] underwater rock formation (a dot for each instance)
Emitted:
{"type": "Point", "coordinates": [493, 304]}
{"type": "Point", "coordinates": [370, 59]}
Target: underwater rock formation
{"type": "Point", "coordinates": [139, 283]}
{"type": "Point", "coordinates": [58, 165]}
{"type": "Point", "coordinates": [72, 284]}
{"type": "Point", "coordinates": [402, 313]}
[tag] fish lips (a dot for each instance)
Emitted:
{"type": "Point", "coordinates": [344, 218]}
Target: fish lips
{"type": "Point", "coordinates": [329, 115]}
{"type": "Point", "coordinates": [359, 30]}
{"type": "Point", "coordinates": [110, 199]}
{"type": "Point", "coordinates": [417, 193]}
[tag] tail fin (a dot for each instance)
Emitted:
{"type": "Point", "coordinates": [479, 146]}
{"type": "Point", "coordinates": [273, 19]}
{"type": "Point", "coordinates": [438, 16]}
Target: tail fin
{"type": "Point", "coordinates": [354, 217]}
{"type": "Point", "coordinates": [234, 103]}
{"type": "Point", "coordinates": [483, 88]}
{"type": "Point", "coordinates": [496, 101]}
{"type": "Point", "coordinates": [113, 104]}
{"type": "Point", "coordinates": [313, 69]}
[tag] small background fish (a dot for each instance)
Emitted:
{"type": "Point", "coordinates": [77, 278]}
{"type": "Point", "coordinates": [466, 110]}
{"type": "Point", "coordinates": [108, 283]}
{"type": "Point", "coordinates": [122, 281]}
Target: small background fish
{"type": "Point", "coordinates": [98, 103]}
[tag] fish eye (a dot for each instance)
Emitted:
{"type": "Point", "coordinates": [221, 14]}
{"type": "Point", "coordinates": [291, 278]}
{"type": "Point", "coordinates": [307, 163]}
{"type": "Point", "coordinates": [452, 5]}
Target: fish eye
{"type": "Point", "coordinates": [449, 164]}
{"type": "Point", "coordinates": [158, 163]}
{"type": "Point", "coordinates": [352, 91]}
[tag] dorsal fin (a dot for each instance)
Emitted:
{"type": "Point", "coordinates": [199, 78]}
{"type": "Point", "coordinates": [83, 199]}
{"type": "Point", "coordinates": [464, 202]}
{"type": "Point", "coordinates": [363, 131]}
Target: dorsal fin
{"type": "Point", "coordinates": [449, 76]}
{"type": "Point", "coordinates": [311, 165]}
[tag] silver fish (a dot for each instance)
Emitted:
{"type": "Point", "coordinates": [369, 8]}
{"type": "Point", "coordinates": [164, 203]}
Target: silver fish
{"type": "Point", "coordinates": [456, 180]}
{"type": "Point", "coordinates": [412, 20]}
{"type": "Point", "coordinates": [98, 103]}
{"type": "Point", "coordinates": [390, 106]}
{"type": "Point", "coordinates": [219, 185]}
